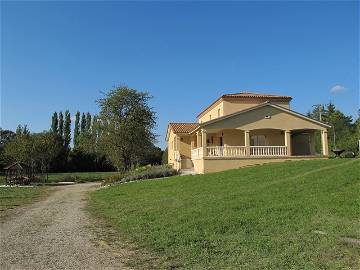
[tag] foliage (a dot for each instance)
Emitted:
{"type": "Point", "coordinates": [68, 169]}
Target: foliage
{"type": "Point", "coordinates": [88, 121]}
{"type": "Point", "coordinates": [140, 173]}
{"type": "Point", "coordinates": [164, 159]}
{"type": "Point", "coordinates": [67, 130]}
{"type": "Point", "coordinates": [261, 217]}
{"type": "Point", "coordinates": [5, 137]}
{"type": "Point", "coordinates": [83, 123]}
{"type": "Point", "coordinates": [77, 129]}
{"type": "Point", "coordinates": [61, 124]}
{"type": "Point", "coordinates": [343, 132]}
{"type": "Point", "coordinates": [150, 173]}
{"type": "Point", "coordinates": [55, 123]}
{"type": "Point", "coordinates": [37, 150]}
{"type": "Point", "coordinates": [152, 155]}
{"type": "Point", "coordinates": [127, 124]}
{"type": "Point", "coordinates": [80, 161]}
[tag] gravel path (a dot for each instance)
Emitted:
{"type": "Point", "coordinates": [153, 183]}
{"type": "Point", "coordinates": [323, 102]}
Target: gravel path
{"type": "Point", "coordinates": [55, 233]}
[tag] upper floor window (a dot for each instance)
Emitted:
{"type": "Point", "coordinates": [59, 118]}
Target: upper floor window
{"type": "Point", "coordinates": [210, 116]}
{"type": "Point", "coordinates": [218, 112]}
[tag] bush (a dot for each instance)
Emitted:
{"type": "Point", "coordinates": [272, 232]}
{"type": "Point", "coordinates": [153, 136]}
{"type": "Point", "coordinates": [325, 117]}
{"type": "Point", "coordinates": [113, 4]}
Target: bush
{"type": "Point", "coordinates": [150, 173]}
{"type": "Point", "coordinates": [141, 173]}
{"type": "Point", "coordinates": [348, 154]}
{"type": "Point", "coordinates": [113, 179]}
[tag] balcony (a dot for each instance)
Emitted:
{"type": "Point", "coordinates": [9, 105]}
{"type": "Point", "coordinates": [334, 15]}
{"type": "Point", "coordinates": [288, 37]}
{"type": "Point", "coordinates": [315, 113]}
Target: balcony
{"type": "Point", "coordinates": [239, 151]}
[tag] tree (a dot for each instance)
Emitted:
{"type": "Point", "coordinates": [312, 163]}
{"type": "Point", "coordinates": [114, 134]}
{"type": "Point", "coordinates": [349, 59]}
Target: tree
{"type": "Point", "coordinates": [342, 133]}
{"type": "Point", "coordinates": [67, 130]}
{"type": "Point", "coordinates": [61, 124]}
{"type": "Point", "coordinates": [165, 157]}
{"type": "Point", "coordinates": [83, 123]}
{"type": "Point", "coordinates": [46, 147]}
{"type": "Point", "coordinates": [6, 136]}
{"type": "Point", "coordinates": [76, 129]}
{"type": "Point", "coordinates": [88, 122]}
{"type": "Point", "coordinates": [127, 124]}
{"type": "Point", "coordinates": [54, 123]}
{"type": "Point", "coordinates": [20, 148]}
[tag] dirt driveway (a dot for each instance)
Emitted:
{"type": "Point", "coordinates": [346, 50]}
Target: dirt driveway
{"type": "Point", "coordinates": [55, 233]}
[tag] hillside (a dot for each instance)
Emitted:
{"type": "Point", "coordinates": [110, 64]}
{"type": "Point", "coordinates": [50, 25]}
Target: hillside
{"type": "Point", "coordinates": [291, 215]}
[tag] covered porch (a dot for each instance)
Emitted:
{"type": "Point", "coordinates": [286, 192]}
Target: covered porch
{"type": "Point", "coordinates": [256, 143]}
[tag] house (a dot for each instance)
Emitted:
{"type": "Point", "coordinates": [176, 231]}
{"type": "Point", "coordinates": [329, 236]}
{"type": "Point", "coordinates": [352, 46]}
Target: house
{"type": "Point", "coordinates": [244, 129]}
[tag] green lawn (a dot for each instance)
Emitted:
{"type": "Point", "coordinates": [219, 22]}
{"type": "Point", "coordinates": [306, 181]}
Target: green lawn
{"type": "Point", "coordinates": [261, 217]}
{"type": "Point", "coordinates": [11, 197]}
{"type": "Point", "coordinates": [80, 176]}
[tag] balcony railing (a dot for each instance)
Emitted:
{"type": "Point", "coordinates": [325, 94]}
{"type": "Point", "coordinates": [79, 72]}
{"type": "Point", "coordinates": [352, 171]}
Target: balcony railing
{"type": "Point", "coordinates": [197, 153]}
{"type": "Point", "coordinates": [226, 151]}
{"type": "Point", "coordinates": [239, 151]}
{"type": "Point", "coordinates": [266, 151]}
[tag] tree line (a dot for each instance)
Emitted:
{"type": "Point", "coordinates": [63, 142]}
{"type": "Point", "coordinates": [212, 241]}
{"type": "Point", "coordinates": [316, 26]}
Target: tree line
{"type": "Point", "coordinates": [344, 132]}
{"type": "Point", "coordinates": [120, 137]}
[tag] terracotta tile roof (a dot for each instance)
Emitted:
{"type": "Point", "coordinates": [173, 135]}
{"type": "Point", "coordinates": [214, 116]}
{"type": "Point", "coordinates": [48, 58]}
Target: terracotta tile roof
{"type": "Point", "coordinates": [254, 95]}
{"type": "Point", "coordinates": [183, 127]}
{"type": "Point", "coordinates": [245, 95]}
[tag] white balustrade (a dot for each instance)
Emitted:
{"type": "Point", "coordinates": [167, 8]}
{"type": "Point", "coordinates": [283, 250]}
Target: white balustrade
{"type": "Point", "coordinates": [266, 151]}
{"type": "Point", "coordinates": [226, 151]}
{"type": "Point", "coordinates": [239, 151]}
{"type": "Point", "coordinates": [197, 153]}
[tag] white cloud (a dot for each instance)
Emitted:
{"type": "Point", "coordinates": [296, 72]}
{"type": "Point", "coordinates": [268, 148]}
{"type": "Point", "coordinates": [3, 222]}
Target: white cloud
{"type": "Point", "coordinates": [337, 88]}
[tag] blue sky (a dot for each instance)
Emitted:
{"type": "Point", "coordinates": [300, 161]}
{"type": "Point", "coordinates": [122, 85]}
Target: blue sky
{"type": "Point", "coordinates": [61, 55]}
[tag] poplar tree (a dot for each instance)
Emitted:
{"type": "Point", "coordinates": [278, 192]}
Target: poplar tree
{"type": "Point", "coordinates": [88, 122]}
{"type": "Point", "coordinates": [67, 130]}
{"type": "Point", "coordinates": [77, 129]}
{"type": "Point", "coordinates": [61, 125]}
{"type": "Point", "coordinates": [83, 123]}
{"type": "Point", "coordinates": [54, 123]}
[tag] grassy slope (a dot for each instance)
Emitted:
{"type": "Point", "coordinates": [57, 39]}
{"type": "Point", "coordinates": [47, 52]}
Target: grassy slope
{"type": "Point", "coordinates": [16, 196]}
{"type": "Point", "coordinates": [254, 218]}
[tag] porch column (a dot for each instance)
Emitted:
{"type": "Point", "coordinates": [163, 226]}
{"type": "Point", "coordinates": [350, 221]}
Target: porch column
{"type": "Point", "coordinates": [203, 142]}
{"type": "Point", "coordinates": [324, 143]}
{"type": "Point", "coordinates": [247, 142]}
{"type": "Point", "coordinates": [198, 139]}
{"type": "Point", "coordinates": [287, 134]}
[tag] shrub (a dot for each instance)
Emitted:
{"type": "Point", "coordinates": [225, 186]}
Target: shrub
{"type": "Point", "coordinates": [152, 172]}
{"type": "Point", "coordinates": [348, 154]}
{"type": "Point", "coordinates": [113, 179]}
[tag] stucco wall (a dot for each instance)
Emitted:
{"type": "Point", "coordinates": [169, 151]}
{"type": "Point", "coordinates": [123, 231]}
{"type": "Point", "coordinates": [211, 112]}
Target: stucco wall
{"type": "Point", "coordinates": [170, 142]}
{"type": "Point", "coordinates": [229, 106]}
{"type": "Point", "coordinates": [185, 147]}
{"type": "Point", "coordinates": [183, 144]}
{"type": "Point", "coordinates": [233, 105]}
{"type": "Point", "coordinates": [255, 119]}
{"type": "Point", "coordinates": [217, 165]}
{"type": "Point", "coordinates": [214, 113]}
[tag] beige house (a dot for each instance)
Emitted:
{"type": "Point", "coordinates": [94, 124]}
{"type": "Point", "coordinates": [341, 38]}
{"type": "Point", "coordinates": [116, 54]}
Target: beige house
{"type": "Point", "coordinates": [244, 129]}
